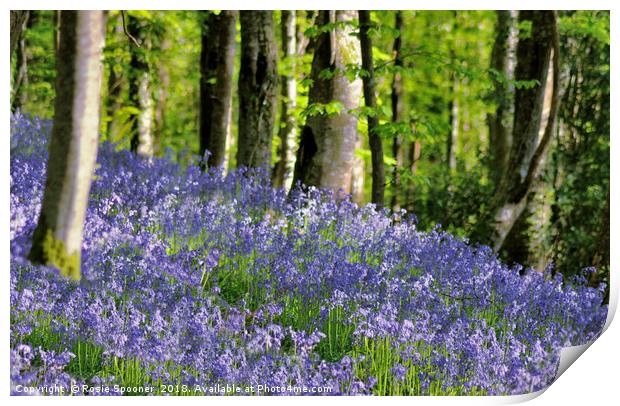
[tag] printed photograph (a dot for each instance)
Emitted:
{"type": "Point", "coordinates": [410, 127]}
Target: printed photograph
{"type": "Point", "coordinates": [306, 202]}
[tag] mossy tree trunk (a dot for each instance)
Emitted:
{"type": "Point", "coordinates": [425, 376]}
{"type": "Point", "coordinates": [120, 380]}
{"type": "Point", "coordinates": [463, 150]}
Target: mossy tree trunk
{"type": "Point", "coordinates": [216, 80]}
{"type": "Point", "coordinates": [534, 54]}
{"type": "Point", "coordinates": [258, 88]}
{"type": "Point", "coordinates": [370, 99]}
{"type": "Point", "coordinates": [57, 240]}
{"type": "Point", "coordinates": [327, 146]}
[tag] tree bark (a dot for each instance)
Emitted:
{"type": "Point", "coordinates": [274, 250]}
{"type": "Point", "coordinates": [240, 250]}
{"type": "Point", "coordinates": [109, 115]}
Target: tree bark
{"type": "Point", "coordinates": [370, 99]}
{"type": "Point", "coordinates": [19, 97]}
{"type": "Point", "coordinates": [18, 20]}
{"type": "Point", "coordinates": [327, 146]}
{"type": "Point", "coordinates": [527, 152]}
{"type": "Point", "coordinates": [140, 90]}
{"type": "Point", "coordinates": [498, 121]}
{"type": "Point", "coordinates": [397, 110]}
{"type": "Point", "coordinates": [283, 171]}
{"type": "Point", "coordinates": [258, 88]}
{"type": "Point", "coordinates": [57, 240]}
{"type": "Point", "coordinates": [216, 74]}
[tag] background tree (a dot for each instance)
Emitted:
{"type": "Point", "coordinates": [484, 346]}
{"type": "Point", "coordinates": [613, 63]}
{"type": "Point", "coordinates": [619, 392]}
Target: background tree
{"type": "Point", "coordinates": [57, 239]}
{"type": "Point", "coordinates": [283, 170]}
{"type": "Point", "coordinates": [258, 88]}
{"type": "Point", "coordinates": [533, 58]}
{"type": "Point", "coordinates": [18, 19]}
{"type": "Point", "coordinates": [327, 145]}
{"type": "Point", "coordinates": [19, 97]}
{"type": "Point", "coordinates": [140, 88]}
{"type": "Point", "coordinates": [501, 70]}
{"type": "Point", "coordinates": [370, 98]}
{"type": "Point", "coordinates": [216, 70]}
{"type": "Point", "coordinates": [397, 104]}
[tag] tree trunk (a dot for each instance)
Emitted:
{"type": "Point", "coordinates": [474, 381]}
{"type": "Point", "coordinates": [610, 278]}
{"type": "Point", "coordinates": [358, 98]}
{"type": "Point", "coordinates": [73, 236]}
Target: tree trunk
{"type": "Point", "coordinates": [21, 74]}
{"type": "Point", "coordinates": [499, 127]}
{"type": "Point", "coordinates": [56, 22]}
{"type": "Point", "coordinates": [216, 75]}
{"type": "Point", "coordinates": [397, 110]}
{"type": "Point", "coordinates": [370, 99]}
{"type": "Point", "coordinates": [327, 146]}
{"type": "Point", "coordinates": [57, 240]}
{"type": "Point", "coordinates": [527, 152]}
{"type": "Point", "coordinates": [258, 88]}
{"type": "Point", "coordinates": [283, 171]}
{"type": "Point", "coordinates": [140, 90]}
{"type": "Point", "coordinates": [18, 21]}
{"type": "Point", "coordinates": [453, 106]}
{"type": "Point", "coordinates": [115, 88]}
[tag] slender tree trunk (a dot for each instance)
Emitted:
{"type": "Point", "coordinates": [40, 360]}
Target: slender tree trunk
{"type": "Point", "coordinates": [397, 110]}
{"type": "Point", "coordinates": [499, 127]}
{"type": "Point", "coordinates": [216, 80]}
{"type": "Point", "coordinates": [56, 22]}
{"type": "Point", "coordinates": [140, 91]}
{"type": "Point", "coordinates": [116, 80]}
{"type": "Point", "coordinates": [258, 88]}
{"type": "Point", "coordinates": [527, 152]}
{"type": "Point", "coordinates": [327, 146]}
{"type": "Point", "coordinates": [370, 98]}
{"type": "Point", "coordinates": [453, 136]}
{"type": "Point", "coordinates": [57, 240]}
{"type": "Point", "coordinates": [18, 20]}
{"type": "Point", "coordinates": [283, 171]}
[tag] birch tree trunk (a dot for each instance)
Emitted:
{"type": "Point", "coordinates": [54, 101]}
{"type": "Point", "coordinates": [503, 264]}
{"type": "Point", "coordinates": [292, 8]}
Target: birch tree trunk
{"type": "Point", "coordinates": [370, 98]}
{"type": "Point", "coordinates": [283, 171]}
{"type": "Point", "coordinates": [258, 88]}
{"type": "Point", "coordinates": [327, 146]}
{"type": "Point", "coordinates": [216, 76]}
{"type": "Point", "coordinates": [57, 240]}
